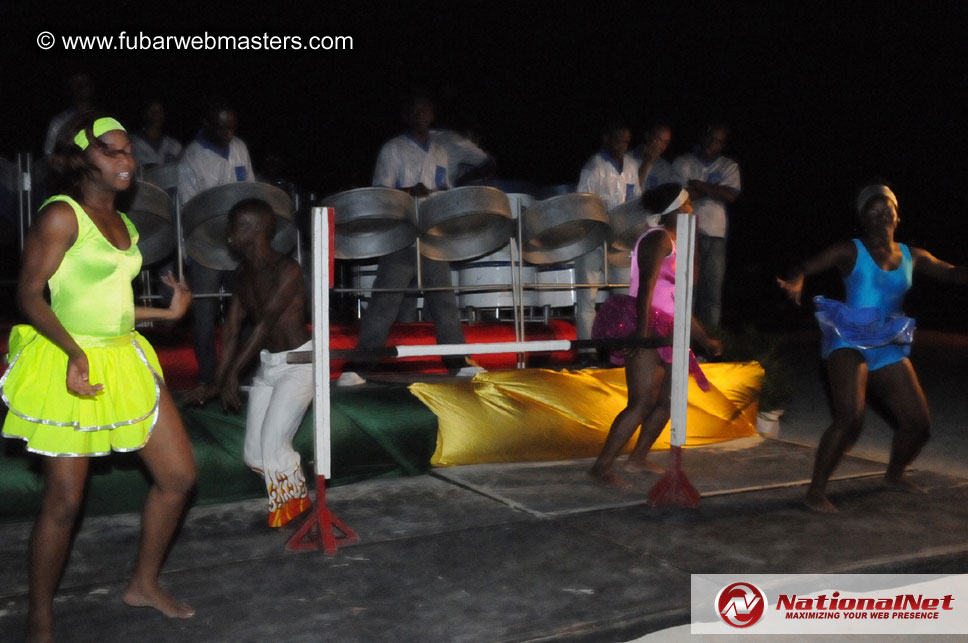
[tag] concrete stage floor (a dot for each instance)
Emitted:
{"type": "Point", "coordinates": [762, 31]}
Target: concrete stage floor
{"type": "Point", "coordinates": [528, 552]}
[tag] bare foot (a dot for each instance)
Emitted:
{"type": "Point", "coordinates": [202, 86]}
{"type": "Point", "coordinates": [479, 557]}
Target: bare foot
{"type": "Point", "coordinates": [608, 479]}
{"type": "Point", "coordinates": [642, 466]}
{"type": "Point", "coordinates": [819, 503]}
{"type": "Point", "coordinates": [905, 485]}
{"type": "Point", "coordinates": [156, 597]}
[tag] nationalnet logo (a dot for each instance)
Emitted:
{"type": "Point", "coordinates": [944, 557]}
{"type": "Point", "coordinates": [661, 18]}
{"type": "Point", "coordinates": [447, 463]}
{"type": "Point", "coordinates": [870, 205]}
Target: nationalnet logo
{"type": "Point", "coordinates": [830, 604]}
{"type": "Point", "coordinates": [741, 604]}
{"type": "Point", "coordinates": [899, 606]}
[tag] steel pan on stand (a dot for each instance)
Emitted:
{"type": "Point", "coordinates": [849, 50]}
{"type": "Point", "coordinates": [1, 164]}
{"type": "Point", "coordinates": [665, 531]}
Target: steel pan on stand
{"type": "Point", "coordinates": [617, 271]}
{"type": "Point", "coordinates": [205, 221]}
{"type": "Point", "coordinates": [556, 231]}
{"type": "Point", "coordinates": [164, 176]}
{"type": "Point", "coordinates": [629, 221]}
{"type": "Point", "coordinates": [464, 223]}
{"type": "Point", "coordinates": [497, 269]}
{"type": "Point", "coordinates": [562, 228]}
{"type": "Point", "coordinates": [151, 213]}
{"type": "Point", "coordinates": [562, 275]}
{"type": "Point", "coordinates": [362, 276]}
{"type": "Point", "coordinates": [372, 222]}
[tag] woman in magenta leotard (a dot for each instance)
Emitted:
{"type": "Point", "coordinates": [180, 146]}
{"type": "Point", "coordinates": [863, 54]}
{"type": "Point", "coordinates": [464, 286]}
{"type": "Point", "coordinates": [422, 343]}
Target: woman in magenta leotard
{"type": "Point", "coordinates": [652, 284]}
{"type": "Point", "coordinates": [866, 339]}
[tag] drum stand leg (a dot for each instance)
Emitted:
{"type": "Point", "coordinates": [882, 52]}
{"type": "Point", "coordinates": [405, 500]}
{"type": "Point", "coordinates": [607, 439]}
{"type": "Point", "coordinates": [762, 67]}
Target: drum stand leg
{"type": "Point", "coordinates": [517, 294]}
{"type": "Point", "coordinates": [319, 527]}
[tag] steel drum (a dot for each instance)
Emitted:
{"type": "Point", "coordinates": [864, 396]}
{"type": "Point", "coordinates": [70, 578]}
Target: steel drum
{"type": "Point", "coordinates": [493, 270]}
{"type": "Point", "coordinates": [464, 223]}
{"type": "Point", "coordinates": [205, 220]}
{"type": "Point", "coordinates": [496, 268]}
{"type": "Point", "coordinates": [362, 277]}
{"type": "Point", "coordinates": [164, 176]}
{"type": "Point", "coordinates": [619, 272]}
{"type": "Point", "coordinates": [151, 213]}
{"type": "Point", "coordinates": [559, 274]}
{"type": "Point", "coordinates": [561, 228]}
{"type": "Point", "coordinates": [372, 222]}
{"type": "Point", "coordinates": [628, 223]}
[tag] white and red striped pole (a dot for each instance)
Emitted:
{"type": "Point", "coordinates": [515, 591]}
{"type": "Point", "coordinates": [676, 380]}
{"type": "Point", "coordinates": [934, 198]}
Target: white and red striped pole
{"type": "Point", "coordinates": [319, 526]}
{"type": "Point", "coordinates": [674, 488]}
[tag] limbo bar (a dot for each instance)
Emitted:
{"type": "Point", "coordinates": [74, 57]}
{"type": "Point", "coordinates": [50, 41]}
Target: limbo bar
{"type": "Point", "coordinates": [425, 350]}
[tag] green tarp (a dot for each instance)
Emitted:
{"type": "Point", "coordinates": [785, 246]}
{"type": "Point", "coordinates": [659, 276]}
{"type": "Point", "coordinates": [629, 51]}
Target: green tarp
{"type": "Point", "coordinates": [375, 431]}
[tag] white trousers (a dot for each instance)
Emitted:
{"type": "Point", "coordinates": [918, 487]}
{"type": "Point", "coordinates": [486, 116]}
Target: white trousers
{"type": "Point", "coordinates": [278, 400]}
{"type": "Point", "coordinates": [590, 269]}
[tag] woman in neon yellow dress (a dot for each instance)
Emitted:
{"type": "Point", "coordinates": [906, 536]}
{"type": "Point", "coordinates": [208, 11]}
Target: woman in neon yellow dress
{"type": "Point", "coordinates": [114, 398]}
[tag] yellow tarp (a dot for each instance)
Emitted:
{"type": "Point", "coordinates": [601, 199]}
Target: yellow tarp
{"type": "Point", "coordinates": [534, 414]}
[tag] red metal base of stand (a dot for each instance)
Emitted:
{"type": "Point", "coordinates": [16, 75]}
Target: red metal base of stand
{"type": "Point", "coordinates": [674, 488]}
{"type": "Point", "coordinates": [317, 531]}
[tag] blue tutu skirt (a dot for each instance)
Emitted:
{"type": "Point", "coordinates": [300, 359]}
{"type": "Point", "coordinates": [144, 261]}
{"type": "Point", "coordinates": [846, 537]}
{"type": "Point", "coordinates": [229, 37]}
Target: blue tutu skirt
{"type": "Point", "coordinates": [861, 328]}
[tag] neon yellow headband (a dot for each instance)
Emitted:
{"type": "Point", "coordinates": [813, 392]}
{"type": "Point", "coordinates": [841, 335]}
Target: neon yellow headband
{"type": "Point", "coordinates": [100, 126]}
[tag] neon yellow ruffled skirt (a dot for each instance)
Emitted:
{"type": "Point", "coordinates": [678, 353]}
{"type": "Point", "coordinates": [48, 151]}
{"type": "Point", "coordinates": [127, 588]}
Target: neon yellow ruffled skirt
{"type": "Point", "coordinates": [56, 422]}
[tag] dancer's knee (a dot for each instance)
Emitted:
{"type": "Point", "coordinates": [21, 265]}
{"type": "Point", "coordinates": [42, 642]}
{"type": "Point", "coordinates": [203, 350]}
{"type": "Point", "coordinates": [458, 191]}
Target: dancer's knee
{"type": "Point", "coordinates": [849, 420]}
{"type": "Point", "coordinates": [639, 409]}
{"type": "Point", "coordinates": [846, 430]}
{"type": "Point", "coordinates": [178, 481]}
{"type": "Point", "coordinates": [917, 427]}
{"type": "Point", "coordinates": [63, 502]}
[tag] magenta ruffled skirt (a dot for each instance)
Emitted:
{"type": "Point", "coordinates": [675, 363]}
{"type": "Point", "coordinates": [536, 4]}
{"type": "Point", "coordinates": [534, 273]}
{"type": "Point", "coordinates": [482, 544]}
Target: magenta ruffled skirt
{"type": "Point", "coordinates": [618, 318]}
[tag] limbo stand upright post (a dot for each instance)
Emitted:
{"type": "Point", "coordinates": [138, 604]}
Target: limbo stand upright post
{"type": "Point", "coordinates": [318, 530]}
{"type": "Point", "coordinates": [674, 488]}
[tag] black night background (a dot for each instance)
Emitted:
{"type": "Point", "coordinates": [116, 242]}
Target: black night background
{"type": "Point", "coordinates": [820, 97]}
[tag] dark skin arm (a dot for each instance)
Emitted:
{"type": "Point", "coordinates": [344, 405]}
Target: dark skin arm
{"type": "Point", "coordinates": [841, 256]}
{"type": "Point", "coordinates": [230, 340]}
{"type": "Point", "coordinates": [181, 300]}
{"type": "Point", "coordinates": [234, 357]}
{"type": "Point", "coordinates": [700, 189]}
{"type": "Point", "coordinates": [927, 264]}
{"type": "Point", "coordinates": [48, 240]}
{"type": "Point", "coordinates": [227, 372]}
{"type": "Point", "coordinates": [485, 170]}
{"type": "Point", "coordinates": [652, 252]}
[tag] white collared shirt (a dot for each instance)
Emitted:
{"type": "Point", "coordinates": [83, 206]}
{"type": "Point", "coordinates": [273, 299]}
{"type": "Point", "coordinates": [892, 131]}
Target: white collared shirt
{"type": "Point", "coordinates": [710, 213]}
{"type": "Point", "coordinates": [403, 163]}
{"type": "Point", "coordinates": [614, 186]}
{"type": "Point", "coordinates": [203, 166]}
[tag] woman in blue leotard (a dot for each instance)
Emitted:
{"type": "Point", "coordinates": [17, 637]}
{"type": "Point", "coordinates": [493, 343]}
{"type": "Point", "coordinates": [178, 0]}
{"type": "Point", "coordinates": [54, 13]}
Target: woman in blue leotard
{"type": "Point", "coordinates": [867, 338]}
